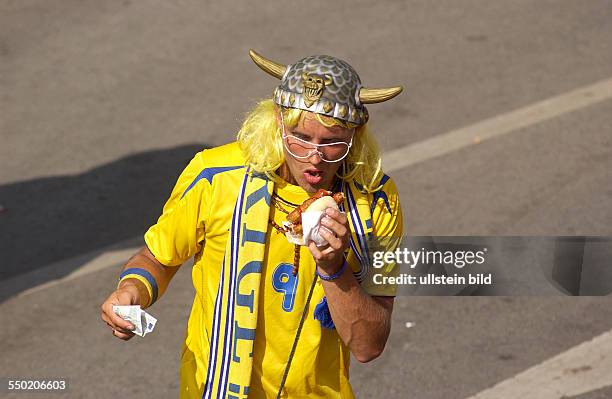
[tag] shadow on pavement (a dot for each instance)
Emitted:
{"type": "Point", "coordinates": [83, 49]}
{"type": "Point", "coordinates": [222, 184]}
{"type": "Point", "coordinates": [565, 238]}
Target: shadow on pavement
{"type": "Point", "coordinates": [51, 219]}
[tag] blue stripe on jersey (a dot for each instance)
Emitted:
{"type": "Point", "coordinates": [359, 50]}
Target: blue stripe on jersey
{"type": "Point", "coordinates": [351, 241]}
{"type": "Point", "coordinates": [380, 194]}
{"type": "Point", "coordinates": [212, 362]}
{"type": "Point", "coordinates": [359, 233]}
{"type": "Point", "coordinates": [208, 174]}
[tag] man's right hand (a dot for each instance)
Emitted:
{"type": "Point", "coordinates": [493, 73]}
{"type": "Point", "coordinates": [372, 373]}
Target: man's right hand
{"type": "Point", "coordinates": [127, 294]}
{"type": "Point", "coordinates": [134, 292]}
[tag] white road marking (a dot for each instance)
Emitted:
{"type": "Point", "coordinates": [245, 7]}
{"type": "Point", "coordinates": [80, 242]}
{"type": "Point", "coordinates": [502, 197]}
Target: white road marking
{"type": "Point", "coordinates": [102, 261]}
{"type": "Point", "coordinates": [581, 369]}
{"type": "Point", "coordinates": [69, 269]}
{"type": "Point", "coordinates": [497, 126]}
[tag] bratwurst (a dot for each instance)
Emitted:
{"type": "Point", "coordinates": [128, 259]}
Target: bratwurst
{"type": "Point", "coordinates": [295, 217]}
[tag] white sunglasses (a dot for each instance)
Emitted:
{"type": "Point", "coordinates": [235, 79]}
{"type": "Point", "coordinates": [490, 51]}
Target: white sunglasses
{"type": "Point", "coordinates": [302, 149]}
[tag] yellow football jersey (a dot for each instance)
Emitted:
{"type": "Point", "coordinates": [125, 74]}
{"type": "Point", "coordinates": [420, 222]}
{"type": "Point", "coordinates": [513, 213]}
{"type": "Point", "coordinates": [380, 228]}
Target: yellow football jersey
{"type": "Point", "coordinates": [195, 222]}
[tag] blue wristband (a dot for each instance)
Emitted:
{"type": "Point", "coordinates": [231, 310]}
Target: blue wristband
{"type": "Point", "coordinates": [148, 276]}
{"type": "Point", "coordinates": [335, 275]}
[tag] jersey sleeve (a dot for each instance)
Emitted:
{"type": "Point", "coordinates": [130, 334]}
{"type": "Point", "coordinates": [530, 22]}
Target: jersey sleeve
{"type": "Point", "coordinates": [179, 231]}
{"type": "Point", "coordinates": [387, 229]}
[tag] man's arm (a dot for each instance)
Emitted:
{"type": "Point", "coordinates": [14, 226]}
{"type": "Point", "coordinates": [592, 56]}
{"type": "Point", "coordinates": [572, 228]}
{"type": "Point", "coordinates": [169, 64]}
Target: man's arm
{"type": "Point", "coordinates": [362, 321]}
{"type": "Point", "coordinates": [144, 259]}
{"type": "Point", "coordinates": [132, 291]}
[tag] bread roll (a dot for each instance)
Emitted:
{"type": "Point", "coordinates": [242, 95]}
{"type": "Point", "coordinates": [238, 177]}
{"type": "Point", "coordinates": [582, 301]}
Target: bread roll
{"type": "Point", "coordinates": [322, 204]}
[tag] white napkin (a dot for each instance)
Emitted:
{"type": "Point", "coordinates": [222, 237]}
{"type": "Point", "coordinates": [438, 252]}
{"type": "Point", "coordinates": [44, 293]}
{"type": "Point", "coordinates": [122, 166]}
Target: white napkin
{"type": "Point", "coordinates": [142, 321]}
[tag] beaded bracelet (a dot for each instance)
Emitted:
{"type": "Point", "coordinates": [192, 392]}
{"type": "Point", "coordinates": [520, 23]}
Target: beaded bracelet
{"type": "Point", "coordinates": [335, 275]}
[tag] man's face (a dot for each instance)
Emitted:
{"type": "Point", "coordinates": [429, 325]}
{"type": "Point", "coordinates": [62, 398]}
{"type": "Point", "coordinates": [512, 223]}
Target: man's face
{"type": "Point", "coordinates": [313, 173]}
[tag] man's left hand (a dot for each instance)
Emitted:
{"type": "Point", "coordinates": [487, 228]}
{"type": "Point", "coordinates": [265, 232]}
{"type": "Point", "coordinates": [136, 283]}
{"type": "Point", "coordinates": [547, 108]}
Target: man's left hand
{"type": "Point", "coordinates": [329, 259]}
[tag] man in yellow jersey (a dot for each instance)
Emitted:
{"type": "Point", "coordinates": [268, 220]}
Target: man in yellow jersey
{"type": "Point", "coordinates": [271, 318]}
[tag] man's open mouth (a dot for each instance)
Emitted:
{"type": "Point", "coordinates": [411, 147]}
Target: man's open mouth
{"type": "Point", "coordinates": [313, 176]}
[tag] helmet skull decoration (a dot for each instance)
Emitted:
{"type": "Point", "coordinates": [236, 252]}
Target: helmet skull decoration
{"type": "Point", "coordinates": [313, 87]}
{"type": "Point", "coordinates": [325, 85]}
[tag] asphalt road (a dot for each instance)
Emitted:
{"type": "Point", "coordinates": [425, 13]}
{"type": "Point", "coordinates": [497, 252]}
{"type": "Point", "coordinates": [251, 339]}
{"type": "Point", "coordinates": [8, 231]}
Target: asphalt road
{"type": "Point", "coordinates": [103, 103]}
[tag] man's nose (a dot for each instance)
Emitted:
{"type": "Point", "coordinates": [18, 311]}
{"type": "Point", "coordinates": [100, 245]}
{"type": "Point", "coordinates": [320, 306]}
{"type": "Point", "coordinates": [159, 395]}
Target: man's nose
{"type": "Point", "coordinates": [315, 158]}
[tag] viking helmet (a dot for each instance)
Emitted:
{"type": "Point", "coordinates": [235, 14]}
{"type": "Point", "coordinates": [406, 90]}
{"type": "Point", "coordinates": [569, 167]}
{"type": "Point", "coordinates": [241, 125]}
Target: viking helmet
{"type": "Point", "coordinates": [324, 85]}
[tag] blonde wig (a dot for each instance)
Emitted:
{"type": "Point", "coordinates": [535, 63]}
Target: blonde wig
{"type": "Point", "coordinates": [260, 140]}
